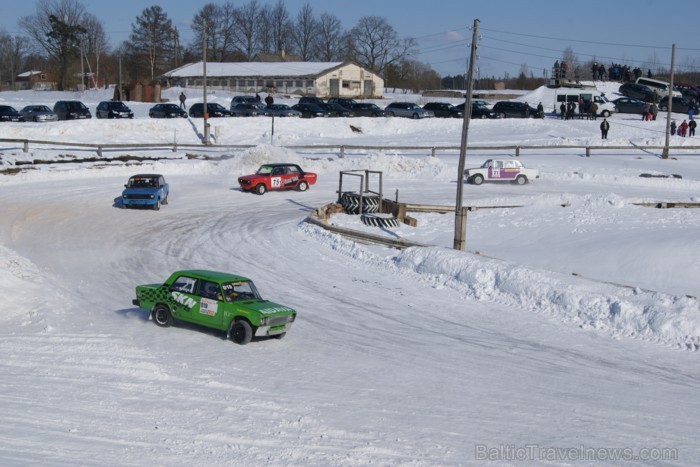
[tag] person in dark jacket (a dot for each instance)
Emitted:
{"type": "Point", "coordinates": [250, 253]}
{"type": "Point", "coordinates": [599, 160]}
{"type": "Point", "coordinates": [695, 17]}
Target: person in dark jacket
{"type": "Point", "coordinates": [540, 110]}
{"type": "Point", "coordinates": [691, 127]}
{"type": "Point", "coordinates": [562, 107]}
{"type": "Point", "coordinates": [182, 100]}
{"type": "Point", "coordinates": [604, 127]}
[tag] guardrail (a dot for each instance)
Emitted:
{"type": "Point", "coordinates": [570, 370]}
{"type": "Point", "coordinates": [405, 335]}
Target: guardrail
{"type": "Point", "coordinates": [342, 149]}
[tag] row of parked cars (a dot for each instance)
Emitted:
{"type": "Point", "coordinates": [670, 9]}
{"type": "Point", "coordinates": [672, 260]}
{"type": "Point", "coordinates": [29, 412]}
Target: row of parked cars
{"type": "Point", "coordinates": [684, 97]}
{"type": "Point", "coordinates": [64, 110]}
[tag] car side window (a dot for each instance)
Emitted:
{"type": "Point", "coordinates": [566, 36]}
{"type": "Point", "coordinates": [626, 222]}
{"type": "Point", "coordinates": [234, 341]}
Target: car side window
{"type": "Point", "coordinates": [278, 171]}
{"type": "Point", "coordinates": [184, 284]}
{"type": "Point", "coordinates": [208, 289]}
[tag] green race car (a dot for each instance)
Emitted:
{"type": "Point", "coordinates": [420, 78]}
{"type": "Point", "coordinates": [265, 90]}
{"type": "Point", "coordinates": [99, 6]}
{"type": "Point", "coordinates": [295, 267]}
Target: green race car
{"type": "Point", "coordinates": [216, 300]}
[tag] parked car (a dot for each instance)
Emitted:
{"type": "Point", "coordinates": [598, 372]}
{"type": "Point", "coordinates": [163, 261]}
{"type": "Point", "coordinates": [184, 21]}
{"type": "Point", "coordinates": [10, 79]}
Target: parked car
{"type": "Point", "coordinates": [363, 109]}
{"type": "Point", "coordinates": [145, 190]}
{"type": "Point", "coordinates": [71, 110]}
{"type": "Point", "coordinates": [501, 170]}
{"type": "Point", "coordinates": [38, 113]}
{"type": "Point", "coordinates": [637, 91]}
{"type": "Point", "coordinates": [337, 110]}
{"type": "Point", "coordinates": [514, 109]}
{"type": "Point", "coordinates": [628, 105]}
{"type": "Point", "coordinates": [166, 111]}
{"type": "Point", "coordinates": [479, 111]}
{"type": "Point", "coordinates": [280, 110]}
{"type": "Point", "coordinates": [444, 110]}
{"type": "Point", "coordinates": [244, 100]}
{"type": "Point", "coordinates": [113, 109]}
{"type": "Point", "coordinates": [213, 109]}
{"type": "Point", "coordinates": [311, 100]}
{"type": "Point", "coordinates": [688, 90]}
{"type": "Point", "coordinates": [311, 110]}
{"type": "Point", "coordinates": [10, 114]}
{"type": "Point", "coordinates": [344, 101]}
{"type": "Point", "coordinates": [679, 104]}
{"type": "Point", "coordinates": [248, 109]}
{"type": "Point", "coordinates": [277, 177]}
{"type": "Point", "coordinates": [217, 300]}
{"type": "Point", "coordinates": [408, 110]}
{"type": "Point", "coordinates": [482, 112]}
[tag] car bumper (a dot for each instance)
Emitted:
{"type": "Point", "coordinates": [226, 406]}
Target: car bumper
{"type": "Point", "coordinates": [272, 330]}
{"type": "Point", "coordinates": [138, 202]}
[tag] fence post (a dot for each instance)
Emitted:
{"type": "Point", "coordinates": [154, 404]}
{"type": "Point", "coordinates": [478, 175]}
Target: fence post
{"type": "Point", "coordinates": [517, 151]}
{"type": "Point", "coordinates": [99, 151]}
{"type": "Point", "coordinates": [342, 151]}
{"type": "Point", "coordinates": [588, 151]}
{"type": "Point", "coordinates": [175, 147]}
{"type": "Point", "coordinates": [26, 146]}
{"type": "Point", "coordinates": [432, 152]}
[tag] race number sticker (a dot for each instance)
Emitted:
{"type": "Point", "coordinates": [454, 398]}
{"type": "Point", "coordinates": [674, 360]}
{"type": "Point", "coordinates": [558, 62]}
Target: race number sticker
{"type": "Point", "coordinates": [208, 307]}
{"type": "Point", "coordinates": [276, 182]}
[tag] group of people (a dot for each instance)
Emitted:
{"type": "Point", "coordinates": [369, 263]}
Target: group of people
{"type": "Point", "coordinates": [586, 109]}
{"type": "Point", "coordinates": [614, 72]}
{"type": "Point", "coordinates": [684, 129]}
{"type": "Point", "coordinates": [649, 111]}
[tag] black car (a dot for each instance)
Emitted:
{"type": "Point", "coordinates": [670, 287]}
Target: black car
{"type": "Point", "coordinates": [214, 110]}
{"type": "Point", "coordinates": [363, 109]}
{"type": "Point", "coordinates": [166, 111]}
{"type": "Point", "coordinates": [679, 104]}
{"type": "Point", "coordinates": [311, 100]}
{"type": "Point", "coordinates": [337, 110]}
{"type": "Point", "coordinates": [113, 109]}
{"type": "Point", "coordinates": [628, 105]}
{"type": "Point", "coordinates": [479, 111]}
{"type": "Point", "coordinates": [311, 110]}
{"type": "Point", "coordinates": [444, 110]}
{"type": "Point", "coordinates": [71, 110]}
{"type": "Point", "coordinates": [637, 91]}
{"type": "Point", "coordinates": [344, 101]}
{"type": "Point", "coordinates": [10, 114]}
{"type": "Point", "coordinates": [513, 109]}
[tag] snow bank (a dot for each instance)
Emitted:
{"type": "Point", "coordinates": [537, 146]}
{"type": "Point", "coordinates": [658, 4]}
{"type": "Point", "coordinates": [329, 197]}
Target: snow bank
{"type": "Point", "coordinates": [614, 309]}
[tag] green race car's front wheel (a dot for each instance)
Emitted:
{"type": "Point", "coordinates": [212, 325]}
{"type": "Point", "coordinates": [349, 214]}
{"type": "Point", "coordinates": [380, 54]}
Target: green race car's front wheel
{"type": "Point", "coordinates": [241, 332]}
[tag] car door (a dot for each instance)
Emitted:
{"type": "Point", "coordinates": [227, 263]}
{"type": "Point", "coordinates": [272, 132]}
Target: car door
{"type": "Point", "coordinates": [495, 168]}
{"type": "Point", "coordinates": [210, 310]}
{"type": "Point", "coordinates": [183, 301]}
{"type": "Point", "coordinates": [277, 178]}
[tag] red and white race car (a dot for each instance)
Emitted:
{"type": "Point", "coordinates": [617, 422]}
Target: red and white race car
{"type": "Point", "coordinates": [501, 170]}
{"type": "Point", "coordinates": [277, 177]}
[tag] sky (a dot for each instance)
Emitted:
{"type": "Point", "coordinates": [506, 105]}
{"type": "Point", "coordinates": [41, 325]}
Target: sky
{"type": "Point", "coordinates": [569, 322]}
{"type": "Point", "coordinates": [511, 33]}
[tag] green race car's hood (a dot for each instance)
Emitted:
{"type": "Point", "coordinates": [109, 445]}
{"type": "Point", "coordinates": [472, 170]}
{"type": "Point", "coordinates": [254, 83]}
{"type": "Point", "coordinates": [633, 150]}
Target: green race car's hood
{"type": "Point", "coordinates": [264, 307]}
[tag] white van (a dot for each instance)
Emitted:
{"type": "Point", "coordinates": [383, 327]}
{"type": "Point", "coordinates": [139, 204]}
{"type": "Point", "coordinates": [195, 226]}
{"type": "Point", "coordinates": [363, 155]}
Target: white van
{"type": "Point", "coordinates": [605, 107]}
{"type": "Point", "coordinates": [661, 87]}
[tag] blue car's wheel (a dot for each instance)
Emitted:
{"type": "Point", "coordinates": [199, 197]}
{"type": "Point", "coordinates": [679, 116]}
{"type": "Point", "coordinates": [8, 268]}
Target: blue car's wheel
{"type": "Point", "coordinates": [156, 206]}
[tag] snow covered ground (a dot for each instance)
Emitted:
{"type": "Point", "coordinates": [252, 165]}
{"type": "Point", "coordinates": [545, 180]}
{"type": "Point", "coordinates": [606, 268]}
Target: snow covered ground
{"type": "Point", "coordinates": [568, 329]}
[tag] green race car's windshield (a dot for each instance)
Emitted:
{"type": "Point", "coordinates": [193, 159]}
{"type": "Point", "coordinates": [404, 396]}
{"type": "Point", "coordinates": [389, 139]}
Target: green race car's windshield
{"type": "Point", "coordinates": [243, 290]}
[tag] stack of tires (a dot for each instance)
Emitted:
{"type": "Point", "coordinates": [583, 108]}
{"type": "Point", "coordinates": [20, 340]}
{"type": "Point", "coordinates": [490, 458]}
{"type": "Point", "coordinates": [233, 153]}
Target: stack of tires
{"type": "Point", "coordinates": [351, 203]}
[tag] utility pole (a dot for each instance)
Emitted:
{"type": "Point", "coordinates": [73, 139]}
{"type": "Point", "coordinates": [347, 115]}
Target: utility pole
{"type": "Point", "coordinates": [204, 87]}
{"type": "Point", "coordinates": [460, 212]}
{"type": "Point", "coordinates": [664, 153]}
{"type": "Point", "coordinates": [121, 98]}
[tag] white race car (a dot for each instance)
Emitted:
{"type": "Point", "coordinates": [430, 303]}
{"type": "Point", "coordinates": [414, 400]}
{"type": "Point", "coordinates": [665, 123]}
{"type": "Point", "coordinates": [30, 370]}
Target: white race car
{"type": "Point", "coordinates": [501, 170]}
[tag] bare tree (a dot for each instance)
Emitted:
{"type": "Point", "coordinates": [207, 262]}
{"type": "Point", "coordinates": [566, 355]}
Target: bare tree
{"type": "Point", "coordinates": [55, 28]}
{"type": "Point", "coordinates": [376, 45]}
{"type": "Point", "coordinates": [280, 25]}
{"type": "Point", "coordinates": [245, 20]}
{"type": "Point", "coordinates": [304, 31]}
{"type": "Point", "coordinates": [13, 55]}
{"type": "Point", "coordinates": [218, 24]}
{"type": "Point", "coordinates": [95, 44]}
{"type": "Point", "coordinates": [151, 40]}
{"type": "Point", "coordinates": [264, 38]}
{"type": "Point", "coordinates": [329, 40]}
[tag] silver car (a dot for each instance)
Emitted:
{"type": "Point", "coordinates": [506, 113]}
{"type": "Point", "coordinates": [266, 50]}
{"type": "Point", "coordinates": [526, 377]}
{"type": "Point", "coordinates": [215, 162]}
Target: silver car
{"type": "Point", "coordinates": [281, 110]}
{"type": "Point", "coordinates": [407, 109]}
{"type": "Point", "coordinates": [38, 113]}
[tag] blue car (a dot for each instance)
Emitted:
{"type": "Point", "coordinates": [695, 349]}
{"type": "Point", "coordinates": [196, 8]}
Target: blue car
{"type": "Point", "coordinates": [145, 190]}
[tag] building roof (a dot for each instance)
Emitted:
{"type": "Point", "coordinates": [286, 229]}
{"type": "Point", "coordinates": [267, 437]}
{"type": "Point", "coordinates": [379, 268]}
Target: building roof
{"type": "Point", "coordinates": [27, 74]}
{"type": "Point", "coordinates": [263, 57]}
{"type": "Point", "coordinates": [255, 69]}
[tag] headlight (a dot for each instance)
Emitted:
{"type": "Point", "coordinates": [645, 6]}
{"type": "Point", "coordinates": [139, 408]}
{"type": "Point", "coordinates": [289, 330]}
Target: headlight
{"type": "Point", "coordinates": [124, 196]}
{"type": "Point", "coordinates": [264, 321]}
{"type": "Point", "coordinates": [151, 196]}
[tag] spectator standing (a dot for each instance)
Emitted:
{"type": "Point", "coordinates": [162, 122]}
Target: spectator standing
{"type": "Point", "coordinates": [604, 127]}
{"type": "Point", "coordinates": [540, 110]}
{"type": "Point", "coordinates": [594, 111]}
{"type": "Point", "coordinates": [182, 100]}
{"type": "Point", "coordinates": [526, 111]}
{"type": "Point", "coordinates": [673, 127]}
{"type": "Point", "coordinates": [645, 110]}
{"type": "Point", "coordinates": [682, 128]}
{"type": "Point", "coordinates": [562, 107]}
{"type": "Point", "coordinates": [691, 127]}
{"type": "Point", "coordinates": [691, 113]}
{"type": "Point", "coordinates": [654, 110]}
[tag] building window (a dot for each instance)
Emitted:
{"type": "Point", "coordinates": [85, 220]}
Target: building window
{"type": "Point", "coordinates": [43, 76]}
{"type": "Point", "coordinates": [351, 84]}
